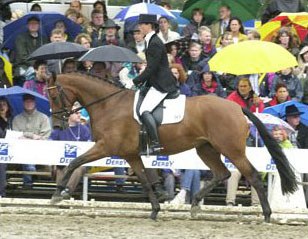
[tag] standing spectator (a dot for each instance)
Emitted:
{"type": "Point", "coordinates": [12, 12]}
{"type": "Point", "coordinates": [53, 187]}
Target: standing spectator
{"type": "Point", "coordinates": [205, 38]}
{"type": "Point", "coordinates": [95, 28]}
{"type": "Point", "coordinates": [281, 95]}
{"type": "Point", "coordinates": [137, 44]}
{"type": "Point", "coordinates": [26, 43]}
{"type": "Point", "coordinates": [219, 27]}
{"type": "Point", "coordinates": [197, 20]}
{"type": "Point", "coordinates": [75, 132]}
{"type": "Point", "coordinates": [287, 40]}
{"type": "Point", "coordinates": [165, 34]}
{"type": "Point", "coordinates": [5, 123]}
{"type": "Point", "coordinates": [34, 125]}
{"type": "Point", "coordinates": [276, 7]}
{"type": "Point", "coordinates": [39, 82]}
{"type": "Point", "coordinates": [293, 84]}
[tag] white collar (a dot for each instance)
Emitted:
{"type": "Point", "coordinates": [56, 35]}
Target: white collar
{"type": "Point", "coordinates": [148, 37]}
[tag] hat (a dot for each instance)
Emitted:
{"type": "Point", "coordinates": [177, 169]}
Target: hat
{"type": "Point", "coordinates": [111, 24]}
{"type": "Point", "coordinates": [292, 110]}
{"type": "Point", "coordinates": [28, 97]}
{"type": "Point", "coordinates": [147, 18]}
{"type": "Point", "coordinates": [33, 18]}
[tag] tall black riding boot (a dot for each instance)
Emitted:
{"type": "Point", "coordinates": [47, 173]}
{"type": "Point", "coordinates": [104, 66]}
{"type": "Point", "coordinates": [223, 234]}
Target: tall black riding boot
{"type": "Point", "coordinates": [150, 124]}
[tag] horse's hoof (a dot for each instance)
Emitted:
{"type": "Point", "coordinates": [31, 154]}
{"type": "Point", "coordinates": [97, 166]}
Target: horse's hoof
{"type": "Point", "coordinates": [56, 199]}
{"type": "Point", "coordinates": [65, 194]}
{"type": "Point", "coordinates": [194, 210]}
{"type": "Point", "coordinates": [267, 219]}
{"type": "Point", "coordinates": [154, 215]}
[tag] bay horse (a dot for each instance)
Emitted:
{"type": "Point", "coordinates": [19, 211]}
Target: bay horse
{"type": "Point", "coordinates": [211, 125]}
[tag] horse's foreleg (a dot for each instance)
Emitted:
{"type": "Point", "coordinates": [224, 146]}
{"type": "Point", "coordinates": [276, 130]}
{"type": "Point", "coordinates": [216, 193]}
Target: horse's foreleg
{"type": "Point", "coordinates": [92, 154]}
{"type": "Point", "coordinates": [212, 159]}
{"type": "Point", "coordinates": [137, 166]}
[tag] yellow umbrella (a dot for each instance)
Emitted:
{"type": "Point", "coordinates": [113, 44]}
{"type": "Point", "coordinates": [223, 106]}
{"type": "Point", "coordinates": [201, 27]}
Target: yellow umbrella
{"type": "Point", "coordinates": [252, 57]}
{"type": "Point", "coordinates": [7, 69]}
{"type": "Point", "coordinates": [297, 22]}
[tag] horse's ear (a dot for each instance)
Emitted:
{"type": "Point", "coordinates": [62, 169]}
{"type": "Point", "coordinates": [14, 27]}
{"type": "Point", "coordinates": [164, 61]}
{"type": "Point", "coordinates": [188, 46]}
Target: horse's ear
{"type": "Point", "coordinates": [52, 80]}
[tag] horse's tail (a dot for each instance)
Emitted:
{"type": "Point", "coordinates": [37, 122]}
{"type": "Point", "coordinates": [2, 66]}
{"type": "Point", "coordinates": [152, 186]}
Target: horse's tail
{"type": "Point", "coordinates": [288, 179]}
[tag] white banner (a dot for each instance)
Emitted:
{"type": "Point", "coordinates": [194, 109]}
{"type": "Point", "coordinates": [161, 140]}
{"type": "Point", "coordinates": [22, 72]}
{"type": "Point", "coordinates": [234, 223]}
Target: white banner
{"type": "Point", "coordinates": [62, 152]}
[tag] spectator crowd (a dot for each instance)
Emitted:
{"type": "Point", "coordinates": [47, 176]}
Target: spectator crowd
{"type": "Point", "coordinates": [188, 63]}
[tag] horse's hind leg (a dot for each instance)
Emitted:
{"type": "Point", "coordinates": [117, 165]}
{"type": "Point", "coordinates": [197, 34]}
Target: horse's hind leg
{"type": "Point", "coordinates": [253, 177]}
{"type": "Point", "coordinates": [137, 166]}
{"type": "Point", "coordinates": [211, 157]}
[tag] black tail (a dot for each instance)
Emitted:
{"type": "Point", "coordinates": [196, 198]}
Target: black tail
{"type": "Point", "coordinates": [287, 176]}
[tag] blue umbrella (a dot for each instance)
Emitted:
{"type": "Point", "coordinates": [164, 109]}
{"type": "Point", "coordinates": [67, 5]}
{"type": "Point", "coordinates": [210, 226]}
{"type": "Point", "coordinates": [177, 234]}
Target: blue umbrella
{"type": "Point", "coordinates": [14, 95]}
{"type": "Point", "coordinates": [47, 21]}
{"type": "Point", "coordinates": [280, 110]}
{"type": "Point", "coordinates": [133, 11]}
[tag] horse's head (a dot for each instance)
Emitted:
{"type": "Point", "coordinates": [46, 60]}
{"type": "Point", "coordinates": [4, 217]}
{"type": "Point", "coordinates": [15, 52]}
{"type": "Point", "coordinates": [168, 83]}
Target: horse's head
{"type": "Point", "coordinates": [61, 103]}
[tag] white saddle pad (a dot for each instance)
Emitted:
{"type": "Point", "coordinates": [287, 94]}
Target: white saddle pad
{"type": "Point", "coordinates": [173, 111]}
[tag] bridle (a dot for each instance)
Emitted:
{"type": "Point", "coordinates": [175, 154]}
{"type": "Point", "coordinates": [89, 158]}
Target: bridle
{"type": "Point", "coordinates": [62, 98]}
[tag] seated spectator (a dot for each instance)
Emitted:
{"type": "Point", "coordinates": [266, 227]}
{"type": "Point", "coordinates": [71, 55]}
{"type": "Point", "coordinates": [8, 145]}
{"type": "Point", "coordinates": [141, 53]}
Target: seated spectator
{"type": "Point", "coordinates": [75, 132]}
{"type": "Point", "coordinates": [26, 43]}
{"type": "Point", "coordinates": [99, 70]}
{"type": "Point", "coordinates": [205, 38]}
{"type": "Point", "coordinates": [287, 40]}
{"type": "Point", "coordinates": [72, 14]}
{"type": "Point", "coordinates": [245, 96]}
{"type": "Point", "coordinates": [111, 35]}
{"type": "Point", "coordinates": [253, 35]}
{"type": "Point", "coordinates": [236, 28]}
{"type": "Point", "coordinates": [84, 40]}
{"type": "Point", "coordinates": [207, 84]}
{"type": "Point", "coordinates": [302, 69]}
{"type": "Point", "coordinates": [36, 8]}
{"type": "Point", "coordinates": [34, 125]}
{"type": "Point", "coordinates": [38, 82]}
{"type": "Point", "coordinates": [180, 75]}
{"type": "Point", "coordinates": [197, 20]}
{"type": "Point", "coordinates": [132, 70]}
{"type": "Point", "coordinates": [137, 45]}
{"type": "Point", "coordinates": [77, 6]}
{"type": "Point", "coordinates": [225, 40]}
{"type": "Point", "coordinates": [281, 95]}
{"type": "Point", "coordinates": [293, 84]}
{"type": "Point", "coordinates": [5, 123]}
{"type": "Point", "coordinates": [218, 28]}
{"type": "Point", "coordinates": [69, 66]}
{"type": "Point", "coordinates": [55, 65]}
{"type": "Point", "coordinates": [95, 28]}
{"type": "Point", "coordinates": [275, 7]}
{"type": "Point", "coordinates": [172, 49]}
{"type": "Point", "coordinates": [61, 25]}
{"type": "Point", "coordinates": [101, 6]}
{"type": "Point", "coordinates": [165, 34]}
{"type": "Point", "coordinates": [191, 60]}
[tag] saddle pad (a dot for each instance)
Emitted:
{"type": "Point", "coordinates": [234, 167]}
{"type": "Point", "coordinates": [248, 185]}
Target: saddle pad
{"type": "Point", "coordinates": [173, 111]}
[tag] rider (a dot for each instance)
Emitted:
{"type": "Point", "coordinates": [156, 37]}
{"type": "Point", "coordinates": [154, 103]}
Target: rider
{"type": "Point", "coordinates": [157, 76]}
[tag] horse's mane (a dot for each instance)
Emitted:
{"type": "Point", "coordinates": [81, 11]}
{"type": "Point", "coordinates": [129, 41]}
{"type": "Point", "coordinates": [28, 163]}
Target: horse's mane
{"type": "Point", "coordinates": [98, 79]}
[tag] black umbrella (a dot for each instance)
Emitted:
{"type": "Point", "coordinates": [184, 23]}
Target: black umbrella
{"type": "Point", "coordinates": [57, 50]}
{"type": "Point", "coordinates": [110, 53]}
{"type": "Point", "coordinates": [7, 2]}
